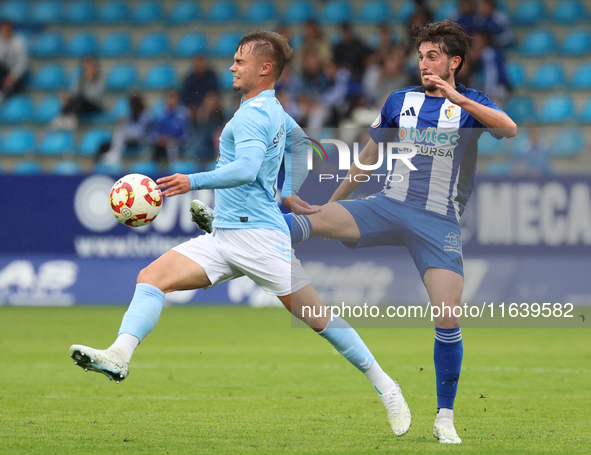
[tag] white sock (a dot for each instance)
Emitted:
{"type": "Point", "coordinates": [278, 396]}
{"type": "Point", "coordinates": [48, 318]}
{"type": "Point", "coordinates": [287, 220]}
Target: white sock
{"type": "Point", "coordinates": [445, 413]}
{"type": "Point", "coordinates": [380, 381]}
{"type": "Point", "coordinates": [124, 346]}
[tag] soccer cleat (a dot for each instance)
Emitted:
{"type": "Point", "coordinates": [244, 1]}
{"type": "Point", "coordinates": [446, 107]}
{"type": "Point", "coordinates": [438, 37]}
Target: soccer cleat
{"type": "Point", "coordinates": [203, 215]}
{"type": "Point", "coordinates": [101, 361]}
{"type": "Point", "coordinates": [445, 432]}
{"type": "Point", "coordinates": [398, 410]}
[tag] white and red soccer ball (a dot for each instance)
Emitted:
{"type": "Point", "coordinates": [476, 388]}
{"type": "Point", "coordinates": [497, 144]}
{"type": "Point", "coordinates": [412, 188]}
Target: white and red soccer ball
{"type": "Point", "coordinates": [135, 201]}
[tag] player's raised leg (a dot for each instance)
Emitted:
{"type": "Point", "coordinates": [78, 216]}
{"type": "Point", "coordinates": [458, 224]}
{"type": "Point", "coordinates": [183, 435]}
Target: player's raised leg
{"type": "Point", "coordinates": [445, 291]}
{"type": "Point", "coordinates": [333, 221]}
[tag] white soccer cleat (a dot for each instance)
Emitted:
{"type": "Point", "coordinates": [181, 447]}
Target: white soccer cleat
{"type": "Point", "coordinates": [445, 432]}
{"type": "Point", "coordinates": [101, 361]}
{"type": "Point", "coordinates": [203, 215]}
{"type": "Point", "coordinates": [398, 410]}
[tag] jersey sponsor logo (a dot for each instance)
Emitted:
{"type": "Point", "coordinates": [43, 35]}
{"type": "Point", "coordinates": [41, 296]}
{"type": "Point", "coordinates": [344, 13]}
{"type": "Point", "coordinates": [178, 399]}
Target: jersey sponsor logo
{"type": "Point", "coordinates": [450, 112]}
{"type": "Point", "coordinates": [377, 121]}
{"type": "Point", "coordinates": [409, 112]}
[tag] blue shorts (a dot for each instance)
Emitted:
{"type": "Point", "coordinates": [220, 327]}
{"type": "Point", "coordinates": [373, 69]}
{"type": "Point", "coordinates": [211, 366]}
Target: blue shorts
{"type": "Point", "coordinates": [433, 240]}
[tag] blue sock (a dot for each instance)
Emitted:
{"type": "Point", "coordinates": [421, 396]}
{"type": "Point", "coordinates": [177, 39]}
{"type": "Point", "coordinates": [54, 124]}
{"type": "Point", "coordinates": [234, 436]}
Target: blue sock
{"type": "Point", "coordinates": [447, 355]}
{"type": "Point", "coordinates": [347, 341]}
{"type": "Point", "coordinates": [300, 227]}
{"type": "Point", "coordinates": [287, 218]}
{"type": "Point", "coordinates": [143, 312]}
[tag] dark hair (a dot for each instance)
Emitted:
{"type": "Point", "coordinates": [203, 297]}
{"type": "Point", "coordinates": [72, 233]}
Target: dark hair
{"type": "Point", "coordinates": [136, 105]}
{"type": "Point", "coordinates": [449, 35]}
{"type": "Point", "coordinates": [269, 45]}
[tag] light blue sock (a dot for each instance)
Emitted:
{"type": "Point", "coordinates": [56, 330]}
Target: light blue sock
{"type": "Point", "coordinates": [143, 312]}
{"type": "Point", "coordinates": [300, 227]}
{"type": "Point", "coordinates": [447, 354]}
{"type": "Point", "coordinates": [347, 341]}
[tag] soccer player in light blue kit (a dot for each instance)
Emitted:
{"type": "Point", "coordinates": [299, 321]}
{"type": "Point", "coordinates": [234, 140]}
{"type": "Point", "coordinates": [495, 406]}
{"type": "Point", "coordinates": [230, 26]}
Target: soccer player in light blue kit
{"type": "Point", "coordinates": [422, 210]}
{"type": "Point", "coordinates": [250, 237]}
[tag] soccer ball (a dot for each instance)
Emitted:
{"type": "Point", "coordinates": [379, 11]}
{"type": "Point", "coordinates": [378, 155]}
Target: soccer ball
{"type": "Point", "coordinates": [135, 201]}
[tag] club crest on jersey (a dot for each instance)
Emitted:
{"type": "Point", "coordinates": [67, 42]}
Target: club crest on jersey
{"type": "Point", "coordinates": [377, 121]}
{"type": "Point", "coordinates": [450, 112]}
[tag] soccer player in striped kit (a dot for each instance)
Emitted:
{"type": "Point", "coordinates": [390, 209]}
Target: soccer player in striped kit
{"type": "Point", "coordinates": [441, 121]}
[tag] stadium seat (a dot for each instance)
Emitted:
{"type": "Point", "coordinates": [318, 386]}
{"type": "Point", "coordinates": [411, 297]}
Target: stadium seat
{"type": "Point", "coordinates": [79, 12]}
{"type": "Point", "coordinates": [17, 109]}
{"type": "Point", "coordinates": [191, 44]}
{"type": "Point", "coordinates": [92, 140]}
{"type": "Point", "coordinates": [66, 167]}
{"type": "Point", "coordinates": [49, 77]}
{"type": "Point", "coordinates": [336, 12]}
{"type": "Point", "coordinates": [27, 167]}
{"type": "Point", "coordinates": [375, 12]}
{"type": "Point", "coordinates": [81, 44]}
{"type": "Point", "coordinates": [499, 168]}
{"type": "Point", "coordinates": [585, 116]}
{"type": "Point", "coordinates": [116, 44]}
{"type": "Point", "coordinates": [47, 12]}
{"type": "Point", "coordinates": [15, 11]}
{"type": "Point", "coordinates": [521, 109]}
{"type": "Point", "coordinates": [226, 80]}
{"type": "Point", "coordinates": [147, 12]}
{"type": "Point", "coordinates": [184, 12]}
{"type": "Point", "coordinates": [577, 42]}
{"type": "Point", "coordinates": [113, 12]}
{"type": "Point", "coordinates": [446, 10]}
{"type": "Point", "coordinates": [568, 143]}
{"type": "Point", "coordinates": [120, 108]}
{"type": "Point", "coordinates": [581, 79]}
{"type": "Point", "coordinates": [548, 76]}
{"type": "Point", "coordinates": [18, 142]}
{"type": "Point", "coordinates": [516, 74]}
{"type": "Point", "coordinates": [488, 146]}
{"type": "Point", "coordinates": [225, 45]}
{"type": "Point", "coordinates": [261, 11]}
{"type": "Point", "coordinates": [405, 12]}
{"type": "Point", "coordinates": [149, 168]}
{"type": "Point", "coordinates": [108, 168]}
{"type": "Point", "coordinates": [528, 12]}
{"type": "Point", "coordinates": [538, 43]}
{"type": "Point", "coordinates": [223, 11]}
{"type": "Point", "coordinates": [556, 109]}
{"type": "Point", "coordinates": [48, 44]}
{"type": "Point", "coordinates": [157, 108]}
{"type": "Point", "coordinates": [121, 77]}
{"type": "Point", "coordinates": [160, 76]}
{"type": "Point", "coordinates": [183, 167]}
{"type": "Point", "coordinates": [47, 109]}
{"type": "Point", "coordinates": [568, 12]}
{"type": "Point", "coordinates": [298, 11]}
{"type": "Point", "coordinates": [154, 44]}
{"type": "Point", "coordinates": [56, 143]}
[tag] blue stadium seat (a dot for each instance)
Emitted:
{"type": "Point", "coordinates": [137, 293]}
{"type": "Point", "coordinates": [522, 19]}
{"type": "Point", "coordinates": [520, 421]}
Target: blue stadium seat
{"type": "Point", "coordinates": [556, 109]}
{"type": "Point", "coordinates": [160, 76]}
{"type": "Point", "coordinates": [568, 143]}
{"type": "Point", "coordinates": [375, 12]}
{"type": "Point", "coordinates": [261, 11]}
{"type": "Point", "coordinates": [121, 77]}
{"type": "Point", "coordinates": [298, 11]}
{"type": "Point", "coordinates": [27, 167]}
{"type": "Point", "coordinates": [116, 44]}
{"type": "Point", "coordinates": [225, 46]}
{"type": "Point", "coordinates": [149, 168]}
{"type": "Point", "coordinates": [154, 44]}
{"type": "Point", "coordinates": [108, 168]}
{"type": "Point", "coordinates": [47, 109]}
{"type": "Point", "coordinates": [582, 77]}
{"type": "Point", "coordinates": [499, 168]}
{"type": "Point", "coordinates": [49, 77]}
{"type": "Point", "coordinates": [15, 11]}
{"type": "Point", "coordinates": [48, 44]}
{"type": "Point", "coordinates": [157, 109]}
{"type": "Point", "coordinates": [297, 39]}
{"type": "Point", "coordinates": [79, 12]}
{"type": "Point", "coordinates": [336, 12]}
{"type": "Point", "coordinates": [113, 12]}
{"type": "Point", "coordinates": [191, 44]}
{"type": "Point", "coordinates": [516, 74]}
{"type": "Point", "coordinates": [446, 10]}
{"type": "Point", "coordinates": [585, 116]}
{"type": "Point", "coordinates": [521, 109]}
{"type": "Point", "coordinates": [226, 79]}
{"type": "Point", "coordinates": [147, 12]}
{"type": "Point", "coordinates": [577, 42]}
{"type": "Point", "coordinates": [18, 109]}
{"type": "Point", "coordinates": [19, 141]}
{"type": "Point", "coordinates": [47, 12]}
{"type": "Point", "coordinates": [548, 76]}
{"type": "Point", "coordinates": [81, 44]}
{"type": "Point", "coordinates": [405, 12]}
{"type": "Point", "coordinates": [529, 12]}
{"type": "Point", "coordinates": [92, 140]}
{"type": "Point", "coordinates": [488, 146]}
{"type": "Point", "coordinates": [184, 12]}
{"type": "Point", "coordinates": [66, 167]}
{"type": "Point", "coordinates": [568, 12]}
{"type": "Point", "coordinates": [120, 108]}
{"type": "Point", "coordinates": [183, 167]}
{"type": "Point", "coordinates": [223, 11]}
{"type": "Point", "coordinates": [538, 43]}
{"type": "Point", "coordinates": [56, 143]}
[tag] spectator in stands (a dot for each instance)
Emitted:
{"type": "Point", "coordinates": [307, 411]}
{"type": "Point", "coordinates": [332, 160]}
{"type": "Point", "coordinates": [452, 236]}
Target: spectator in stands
{"type": "Point", "coordinates": [381, 80]}
{"type": "Point", "coordinates": [351, 52]}
{"type": "Point", "coordinates": [208, 123]}
{"type": "Point", "coordinates": [13, 60]}
{"type": "Point", "coordinates": [533, 158]}
{"type": "Point", "coordinates": [131, 133]}
{"type": "Point", "coordinates": [421, 17]}
{"type": "Point", "coordinates": [490, 19]}
{"type": "Point", "coordinates": [487, 68]}
{"type": "Point", "coordinates": [314, 78]}
{"type": "Point", "coordinates": [466, 16]}
{"type": "Point", "coordinates": [384, 48]}
{"type": "Point", "coordinates": [288, 89]}
{"type": "Point", "coordinates": [314, 43]}
{"type": "Point", "coordinates": [171, 131]}
{"type": "Point", "coordinates": [197, 83]}
{"type": "Point", "coordinates": [85, 96]}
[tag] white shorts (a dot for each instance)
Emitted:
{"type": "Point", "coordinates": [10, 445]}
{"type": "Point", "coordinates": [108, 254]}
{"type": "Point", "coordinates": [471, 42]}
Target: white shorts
{"type": "Point", "coordinates": [263, 255]}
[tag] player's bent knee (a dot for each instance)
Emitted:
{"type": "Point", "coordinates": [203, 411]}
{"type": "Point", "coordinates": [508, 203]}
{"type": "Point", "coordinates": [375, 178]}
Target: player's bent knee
{"type": "Point", "coordinates": [146, 276]}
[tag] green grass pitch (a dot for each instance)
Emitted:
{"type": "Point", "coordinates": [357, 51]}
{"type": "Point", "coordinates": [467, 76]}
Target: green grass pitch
{"type": "Point", "coordinates": [228, 380]}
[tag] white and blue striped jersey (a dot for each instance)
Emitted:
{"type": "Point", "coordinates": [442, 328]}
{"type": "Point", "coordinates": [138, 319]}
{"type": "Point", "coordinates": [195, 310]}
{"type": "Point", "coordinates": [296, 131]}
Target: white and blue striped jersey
{"type": "Point", "coordinates": [446, 140]}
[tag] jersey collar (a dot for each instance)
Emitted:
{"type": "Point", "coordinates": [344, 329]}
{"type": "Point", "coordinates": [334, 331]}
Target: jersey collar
{"type": "Point", "coordinates": [459, 88]}
{"type": "Point", "coordinates": [265, 92]}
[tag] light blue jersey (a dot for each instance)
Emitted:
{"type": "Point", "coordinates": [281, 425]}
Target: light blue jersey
{"type": "Point", "coordinates": [260, 123]}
